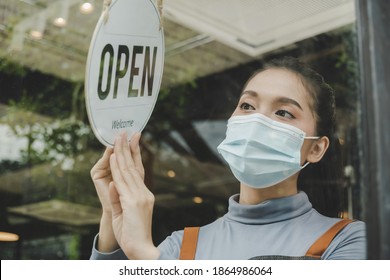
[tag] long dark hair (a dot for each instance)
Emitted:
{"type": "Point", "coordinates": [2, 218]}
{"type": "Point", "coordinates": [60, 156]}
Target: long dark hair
{"type": "Point", "coordinates": [321, 181]}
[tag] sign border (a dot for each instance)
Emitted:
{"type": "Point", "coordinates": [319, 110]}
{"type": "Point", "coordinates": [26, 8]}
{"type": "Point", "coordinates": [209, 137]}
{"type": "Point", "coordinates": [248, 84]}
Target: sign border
{"type": "Point", "coordinates": [87, 70]}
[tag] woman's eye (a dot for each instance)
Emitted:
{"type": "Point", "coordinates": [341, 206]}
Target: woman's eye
{"type": "Point", "coordinates": [285, 114]}
{"type": "Point", "coordinates": [246, 106]}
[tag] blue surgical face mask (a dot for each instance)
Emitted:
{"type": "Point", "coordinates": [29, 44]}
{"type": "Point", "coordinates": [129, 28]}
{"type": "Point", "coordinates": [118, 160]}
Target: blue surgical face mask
{"type": "Point", "coordinates": [262, 152]}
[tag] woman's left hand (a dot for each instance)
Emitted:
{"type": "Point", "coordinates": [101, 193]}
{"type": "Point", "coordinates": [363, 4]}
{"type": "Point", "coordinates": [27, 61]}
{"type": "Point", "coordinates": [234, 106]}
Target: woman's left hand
{"type": "Point", "coordinates": [131, 201]}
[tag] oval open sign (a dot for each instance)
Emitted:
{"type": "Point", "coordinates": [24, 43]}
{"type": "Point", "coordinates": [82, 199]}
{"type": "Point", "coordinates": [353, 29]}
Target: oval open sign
{"type": "Point", "coordinates": [124, 69]}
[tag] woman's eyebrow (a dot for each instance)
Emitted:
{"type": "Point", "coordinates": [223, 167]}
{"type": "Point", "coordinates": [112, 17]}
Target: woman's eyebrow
{"type": "Point", "coordinates": [250, 92]}
{"type": "Point", "coordinates": [286, 100]}
{"type": "Point", "coordinates": [280, 100]}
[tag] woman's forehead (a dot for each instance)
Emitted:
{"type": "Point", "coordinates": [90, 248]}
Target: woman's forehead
{"type": "Point", "coordinates": [280, 82]}
{"type": "Point", "coordinates": [276, 78]}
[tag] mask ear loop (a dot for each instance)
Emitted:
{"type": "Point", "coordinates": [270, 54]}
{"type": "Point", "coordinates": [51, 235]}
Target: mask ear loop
{"type": "Point", "coordinates": [309, 138]}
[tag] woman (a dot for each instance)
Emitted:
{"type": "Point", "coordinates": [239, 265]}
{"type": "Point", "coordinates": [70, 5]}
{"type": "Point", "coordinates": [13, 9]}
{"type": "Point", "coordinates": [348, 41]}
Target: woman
{"type": "Point", "coordinates": [284, 121]}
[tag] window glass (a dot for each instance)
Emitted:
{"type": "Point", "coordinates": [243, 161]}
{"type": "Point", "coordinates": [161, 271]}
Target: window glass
{"type": "Point", "coordinates": [47, 147]}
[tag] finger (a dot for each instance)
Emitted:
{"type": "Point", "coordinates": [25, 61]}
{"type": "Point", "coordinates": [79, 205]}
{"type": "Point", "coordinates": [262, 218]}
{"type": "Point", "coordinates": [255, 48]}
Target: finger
{"type": "Point", "coordinates": [116, 172]}
{"type": "Point", "coordinates": [102, 164]}
{"type": "Point", "coordinates": [122, 150]}
{"type": "Point", "coordinates": [121, 153]}
{"type": "Point", "coordinates": [116, 207]}
{"type": "Point", "coordinates": [126, 164]}
{"type": "Point", "coordinates": [136, 154]}
{"type": "Point", "coordinates": [108, 151]}
{"type": "Point", "coordinates": [105, 159]}
{"type": "Point", "coordinates": [134, 142]}
{"type": "Point", "coordinates": [123, 170]}
{"type": "Point", "coordinates": [126, 183]}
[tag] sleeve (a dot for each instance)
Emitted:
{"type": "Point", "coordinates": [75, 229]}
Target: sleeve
{"type": "Point", "coordinates": [349, 244]}
{"type": "Point", "coordinates": [170, 247]}
{"type": "Point", "coordinates": [115, 255]}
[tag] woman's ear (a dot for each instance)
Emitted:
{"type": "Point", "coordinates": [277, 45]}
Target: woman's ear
{"type": "Point", "coordinates": [318, 149]}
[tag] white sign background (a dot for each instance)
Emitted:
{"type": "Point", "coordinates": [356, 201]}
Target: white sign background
{"type": "Point", "coordinates": [123, 53]}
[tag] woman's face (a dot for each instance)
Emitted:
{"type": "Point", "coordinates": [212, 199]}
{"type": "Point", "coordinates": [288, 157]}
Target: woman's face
{"type": "Point", "coordinates": [280, 95]}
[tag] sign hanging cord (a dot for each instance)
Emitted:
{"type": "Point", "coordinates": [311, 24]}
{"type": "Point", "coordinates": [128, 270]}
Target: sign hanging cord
{"type": "Point", "coordinates": [160, 4]}
{"type": "Point", "coordinates": [106, 5]}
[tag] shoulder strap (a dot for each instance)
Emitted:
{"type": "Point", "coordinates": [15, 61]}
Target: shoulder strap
{"type": "Point", "coordinates": [190, 240]}
{"type": "Point", "coordinates": [319, 246]}
{"type": "Point", "coordinates": [189, 243]}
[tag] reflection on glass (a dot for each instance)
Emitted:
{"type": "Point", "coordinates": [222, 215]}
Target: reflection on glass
{"type": "Point", "coordinates": [47, 147]}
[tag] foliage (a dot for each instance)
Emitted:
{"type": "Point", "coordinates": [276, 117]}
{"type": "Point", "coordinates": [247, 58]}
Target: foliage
{"type": "Point", "coordinates": [170, 110]}
{"type": "Point", "coordinates": [11, 68]}
{"type": "Point", "coordinates": [9, 165]}
{"type": "Point", "coordinates": [74, 245]}
{"type": "Point", "coordinates": [47, 139]}
{"type": "Point", "coordinates": [348, 68]}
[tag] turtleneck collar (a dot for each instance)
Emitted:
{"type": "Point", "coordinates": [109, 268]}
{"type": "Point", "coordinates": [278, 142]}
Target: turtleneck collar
{"type": "Point", "coordinates": [269, 211]}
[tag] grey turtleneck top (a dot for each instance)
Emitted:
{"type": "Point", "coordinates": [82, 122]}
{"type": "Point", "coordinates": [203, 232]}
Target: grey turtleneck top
{"type": "Point", "coordinates": [285, 226]}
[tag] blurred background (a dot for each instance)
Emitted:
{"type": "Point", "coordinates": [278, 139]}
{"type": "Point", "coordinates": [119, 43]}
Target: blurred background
{"type": "Point", "coordinates": [48, 205]}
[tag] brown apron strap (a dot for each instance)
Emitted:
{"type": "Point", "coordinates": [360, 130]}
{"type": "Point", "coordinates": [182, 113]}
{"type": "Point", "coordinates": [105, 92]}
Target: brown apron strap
{"type": "Point", "coordinates": [189, 243]}
{"type": "Point", "coordinates": [318, 248]}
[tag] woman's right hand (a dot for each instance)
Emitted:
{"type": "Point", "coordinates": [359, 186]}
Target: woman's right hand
{"type": "Point", "coordinates": [101, 177]}
{"type": "Point", "coordinates": [131, 201]}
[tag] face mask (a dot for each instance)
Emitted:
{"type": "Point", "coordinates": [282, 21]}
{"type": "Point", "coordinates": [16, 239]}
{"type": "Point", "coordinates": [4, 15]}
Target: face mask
{"type": "Point", "coordinates": [262, 152]}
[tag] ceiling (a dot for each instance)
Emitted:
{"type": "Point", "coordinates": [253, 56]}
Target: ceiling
{"type": "Point", "coordinates": [201, 37]}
